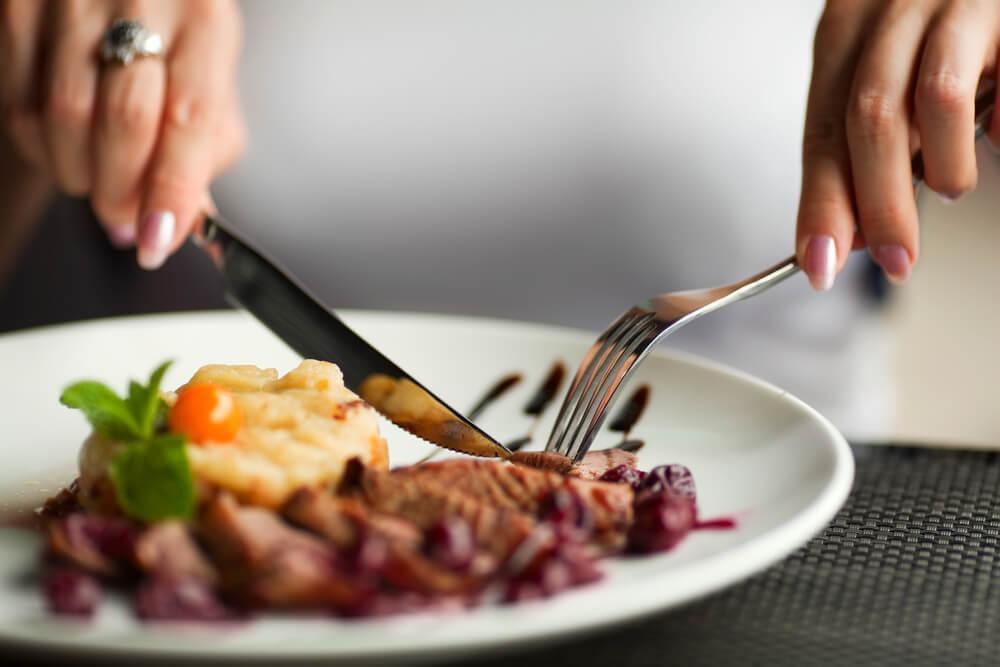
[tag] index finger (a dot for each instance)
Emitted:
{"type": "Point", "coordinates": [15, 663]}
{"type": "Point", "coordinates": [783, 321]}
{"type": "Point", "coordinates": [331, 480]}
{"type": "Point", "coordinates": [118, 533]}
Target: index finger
{"type": "Point", "coordinates": [826, 221]}
{"type": "Point", "coordinates": [198, 72]}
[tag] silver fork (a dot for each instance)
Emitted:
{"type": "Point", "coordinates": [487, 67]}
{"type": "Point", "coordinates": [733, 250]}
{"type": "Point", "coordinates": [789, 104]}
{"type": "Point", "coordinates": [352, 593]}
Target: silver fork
{"type": "Point", "coordinates": [618, 351]}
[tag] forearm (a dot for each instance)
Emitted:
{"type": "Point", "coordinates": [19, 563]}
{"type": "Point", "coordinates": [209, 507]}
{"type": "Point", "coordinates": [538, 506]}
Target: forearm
{"type": "Point", "coordinates": [23, 193]}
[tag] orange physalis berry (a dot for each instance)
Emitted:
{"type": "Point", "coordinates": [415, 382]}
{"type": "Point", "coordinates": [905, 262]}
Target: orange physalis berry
{"type": "Point", "coordinates": [206, 413]}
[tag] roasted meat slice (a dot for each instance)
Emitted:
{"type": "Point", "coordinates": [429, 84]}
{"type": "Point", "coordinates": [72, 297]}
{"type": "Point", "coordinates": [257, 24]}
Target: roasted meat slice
{"type": "Point", "coordinates": [520, 488]}
{"type": "Point", "coordinates": [167, 549]}
{"type": "Point", "coordinates": [543, 461]}
{"type": "Point", "coordinates": [347, 521]}
{"type": "Point", "coordinates": [342, 521]}
{"type": "Point", "coordinates": [426, 502]}
{"type": "Point", "coordinates": [264, 561]}
{"type": "Point", "coordinates": [598, 461]}
{"type": "Point", "coordinates": [101, 545]}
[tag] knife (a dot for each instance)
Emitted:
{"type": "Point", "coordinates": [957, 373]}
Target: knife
{"type": "Point", "coordinates": [282, 305]}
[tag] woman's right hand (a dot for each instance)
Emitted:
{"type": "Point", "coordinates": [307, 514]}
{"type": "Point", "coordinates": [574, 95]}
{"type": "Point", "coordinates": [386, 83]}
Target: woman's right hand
{"type": "Point", "coordinates": [889, 76]}
{"type": "Point", "coordinates": [143, 141]}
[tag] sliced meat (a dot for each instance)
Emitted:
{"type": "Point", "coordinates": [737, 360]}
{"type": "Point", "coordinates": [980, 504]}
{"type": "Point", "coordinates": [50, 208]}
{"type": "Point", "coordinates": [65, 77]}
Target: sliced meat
{"type": "Point", "coordinates": [409, 570]}
{"type": "Point", "coordinates": [265, 562]}
{"type": "Point", "coordinates": [522, 489]}
{"type": "Point", "coordinates": [321, 513]}
{"type": "Point", "coordinates": [543, 461]}
{"type": "Point", "coordinates": [343, 520]}
{"type": "Point", "coordinates": [597, 462]}
{"type": "Point", "coordinates": [425, 501]}
{"type": "Point", "coordinates": [98, 544]}
{"type": "Point", "coordinates": [611, 507]}
{"type": "Point", "coordinates": [168, 550]}
{"type": "Point", "coordinates": [501, 485]}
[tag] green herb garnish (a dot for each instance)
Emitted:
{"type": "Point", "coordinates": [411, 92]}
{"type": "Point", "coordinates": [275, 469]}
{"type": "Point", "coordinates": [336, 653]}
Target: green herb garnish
{"type": "Point", "coordinates": [151, 473]}
{"type": "Point", "coordinates": [152, 479]}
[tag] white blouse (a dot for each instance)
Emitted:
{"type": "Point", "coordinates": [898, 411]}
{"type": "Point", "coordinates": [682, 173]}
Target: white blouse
{"type": "Point", "coordinates": [552, 160]}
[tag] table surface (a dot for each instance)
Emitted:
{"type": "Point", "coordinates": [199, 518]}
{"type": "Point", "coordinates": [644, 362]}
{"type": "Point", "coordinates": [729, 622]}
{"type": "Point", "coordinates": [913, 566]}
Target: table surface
{"type": "Point", "coordinates": [906, 573]}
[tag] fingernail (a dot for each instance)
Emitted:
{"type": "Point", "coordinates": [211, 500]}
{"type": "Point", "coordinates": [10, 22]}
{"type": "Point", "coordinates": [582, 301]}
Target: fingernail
{"type": "Point", "coordinates": [948, 198]}
{"type": "Point", "coordinates": [821, 262]}
{"type": "Point", "coordinates": [895, 261]}
{"type": "Point", "coordinates": [121, 236]}
{"type": "Point", "coordinates": [156, 232]}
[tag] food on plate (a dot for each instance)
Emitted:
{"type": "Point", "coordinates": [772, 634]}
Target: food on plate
{"type": "Point", "coordinates": [246, 491]}
{"type": "Point", "coordinates": [245, 430]}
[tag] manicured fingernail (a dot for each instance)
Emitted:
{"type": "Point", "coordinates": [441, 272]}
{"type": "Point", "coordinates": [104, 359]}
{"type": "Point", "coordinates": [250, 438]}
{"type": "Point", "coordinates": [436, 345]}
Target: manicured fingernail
{"type": "Point", "coordinates": [121, 236]}
{"type": "Point", "coordinates": [895, 261]}
{"type": "Point", "coordinates": [821, 262]}
{"type": "Point", "coordinates": [156, 232]}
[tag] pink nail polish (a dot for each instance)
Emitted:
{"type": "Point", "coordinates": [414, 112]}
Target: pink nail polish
{"type": "Point", "coordinates": [895, 261]}
{"type": "Point", "coordinates": [821, 262]}
{"type": "Point", "coordinates": [156, 233]}
{"type": "Point", "coordinates": [121, 236]}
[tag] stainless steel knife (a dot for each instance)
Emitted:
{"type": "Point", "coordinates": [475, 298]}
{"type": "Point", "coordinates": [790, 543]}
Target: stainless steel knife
{"type": "Point", "coordinates": [313, 331]}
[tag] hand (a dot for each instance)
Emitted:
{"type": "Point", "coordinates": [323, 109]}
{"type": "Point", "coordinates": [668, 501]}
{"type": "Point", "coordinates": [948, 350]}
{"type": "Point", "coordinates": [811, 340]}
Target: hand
{"type": "Point", "coordinates": [889, 77]}
{"type": "Point", "coordinates": [143, 140]}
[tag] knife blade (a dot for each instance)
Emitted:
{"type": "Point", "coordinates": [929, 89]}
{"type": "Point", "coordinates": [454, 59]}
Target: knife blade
{"type": "Point", "coordinates": [286, 308]}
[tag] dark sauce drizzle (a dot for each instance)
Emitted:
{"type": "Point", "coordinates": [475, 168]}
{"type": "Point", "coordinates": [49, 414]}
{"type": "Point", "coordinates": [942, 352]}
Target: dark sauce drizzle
{"type": "Point", "coordinates": [628, 416]}
{"type": "Point", "coordinates": [623, 422]}
{"type": "Point", "coordinates": [541, 399]}
{"type": "Point", "coordinates": [501, 387]}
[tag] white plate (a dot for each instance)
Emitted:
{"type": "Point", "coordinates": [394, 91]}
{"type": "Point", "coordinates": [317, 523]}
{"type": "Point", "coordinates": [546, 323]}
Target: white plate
{"type": "Point", "coordinates": [756, 452]}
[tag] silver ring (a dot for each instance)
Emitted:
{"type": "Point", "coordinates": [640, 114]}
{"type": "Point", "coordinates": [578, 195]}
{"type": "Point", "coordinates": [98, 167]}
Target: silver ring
{"type": "Point", "coordinates": [126, 39]}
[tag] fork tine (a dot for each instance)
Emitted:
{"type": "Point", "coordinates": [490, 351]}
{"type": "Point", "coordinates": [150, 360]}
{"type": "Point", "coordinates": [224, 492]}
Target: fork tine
{"type": "Point", "coordinates": [596, 352]}
{"type": "Point", "coordinates": [579, 380]}
{"type": "Point", "coordinates": [595, 368]}
{"type": "Point", "coordinates": [604, 397]}
{"type": "Point", "coordinates": [584, 412]}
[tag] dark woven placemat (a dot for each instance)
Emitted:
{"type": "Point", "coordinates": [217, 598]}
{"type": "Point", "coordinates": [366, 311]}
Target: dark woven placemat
{"type": "Point", "coordinates": [907, 574]}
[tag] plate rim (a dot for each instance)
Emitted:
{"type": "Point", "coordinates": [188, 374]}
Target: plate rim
{"type": "Point", "coordinates": [765, 550]}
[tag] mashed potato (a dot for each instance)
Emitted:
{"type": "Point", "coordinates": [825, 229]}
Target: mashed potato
{"type": "Point", "coordinates": [298, 430]}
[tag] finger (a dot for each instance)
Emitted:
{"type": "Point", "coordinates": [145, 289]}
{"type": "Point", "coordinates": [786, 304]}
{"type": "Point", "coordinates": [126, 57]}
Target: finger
{"type": "Point", "coordinates": [878, 127]}
{"type": "Point", "coordinates": [198, 75]}
{"type": "Point", "coordinates": [68, 92]}
{"type": "Point", "coordinates": [826, 220]}
{"type": "Point", "coordinates": [20, 29]}
{"type": "Point", "coordinates": [128, 118]}
{"type": "Point", "coordinates": [955, 55]}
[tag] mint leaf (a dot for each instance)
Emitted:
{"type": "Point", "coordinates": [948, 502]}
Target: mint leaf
{"type": "Point", "coordinates": [145, 403]}
{"type": "Point", "coordinates": [152, 479]}
{"type": "Point", "coordinates": [105, 410]}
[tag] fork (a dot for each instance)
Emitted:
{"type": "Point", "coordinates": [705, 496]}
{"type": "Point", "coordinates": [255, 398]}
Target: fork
{"type": "Point", "coordinates": [618, 351]}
